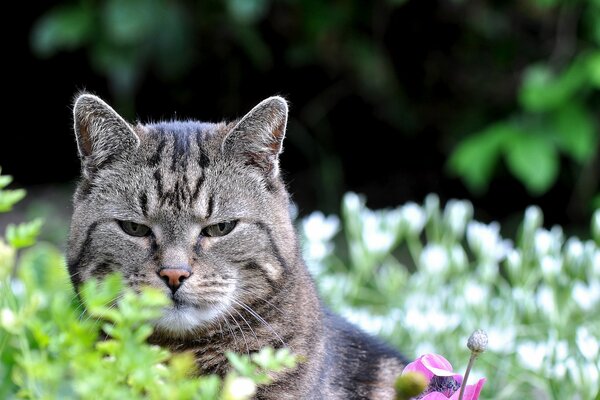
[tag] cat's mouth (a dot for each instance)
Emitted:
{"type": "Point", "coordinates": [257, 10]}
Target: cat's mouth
{"type": "Point", "coordinates": [184, 317]}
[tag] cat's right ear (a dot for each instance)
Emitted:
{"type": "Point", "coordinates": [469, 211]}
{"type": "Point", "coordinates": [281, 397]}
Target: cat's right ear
{"type": "Point", "coordinates": [102, 135]}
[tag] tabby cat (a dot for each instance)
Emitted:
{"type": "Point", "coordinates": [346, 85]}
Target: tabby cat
{"type": "Point", "coordinates": [199, 210]}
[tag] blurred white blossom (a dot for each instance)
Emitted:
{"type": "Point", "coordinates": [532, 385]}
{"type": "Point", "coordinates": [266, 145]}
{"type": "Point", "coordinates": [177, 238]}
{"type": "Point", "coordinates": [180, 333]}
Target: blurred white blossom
{"type": "Point", "coordinates": [551, 266]}
{"type": "Point", "coordinates": [373, 324]}
{"type": "Point", "coordinates": [486, 242]}
{"type": "Point", "coordinates": [317, 227]}
{"type": "Point", "coordinates": [514, 261]}
{"type": "Point", "coordinates": [596, 224]}
{"type": "Point", "coordinates": [545, 300]}
{"type": "Point", "coordinates": [542, 241]}
{"type": "Point", "coordinates": [434, 259]}
{"type": "Point", "coordinates": [456, 215]}
{"type": "Point", "coordinates": [532, 354]}
{"type": "Point", "coordinates": [475, 293]}
{"type": "Point", "coordinates": [501, 339]}
{"type": "Point", "coordinates": [238, 388]}
{"type": "Point", "coordinates": [586, 296]}
{"type": "Point", "coordinates": [413, 218]}
{"type": "Point", "coordinates": [533, 219]}
{"type": "Point", "coordinates": [574, 250]}
{"type": "Point", "coordinates": [587, 343]}
{"type": "Point", "coordinates": [458, 257]}
{"type": "Point", "coordinates": [376, 237]}
{"type": "Point", "coordinates": [432, 320]}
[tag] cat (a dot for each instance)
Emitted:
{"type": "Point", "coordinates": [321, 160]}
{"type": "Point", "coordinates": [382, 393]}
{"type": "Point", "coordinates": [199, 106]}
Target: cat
{"type": "Point", "coordinates": [200, 211]}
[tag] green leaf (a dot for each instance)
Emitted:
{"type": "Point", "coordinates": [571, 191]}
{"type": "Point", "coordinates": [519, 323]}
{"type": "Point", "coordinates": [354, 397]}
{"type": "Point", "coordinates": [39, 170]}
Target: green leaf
{"type": "Point", "coordinates": [533, 160]}
{"type": "Point", "coordinates": [63, 28]}
{"type": "Point", "coordinates": [594, 65]}
{"type": "Point", "coordinates": [5, 180]}
{"type": "Point", "coordinates": [544, 90]}
{"type": "Point", "coordinates": [575, 131]}
{"type": "Point", "coordinates": [8, 198]}
{"type": "Point", "coordinates": [23, 235]}
{"type": "Point", "coordinates": [475, 157]}
{"type": "Point", "coordinates": [247, 11]}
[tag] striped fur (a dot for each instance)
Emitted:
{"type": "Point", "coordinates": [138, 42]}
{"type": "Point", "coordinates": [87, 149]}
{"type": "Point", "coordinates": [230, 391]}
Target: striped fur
{"type": "Point", "coordinates": [249, 288]}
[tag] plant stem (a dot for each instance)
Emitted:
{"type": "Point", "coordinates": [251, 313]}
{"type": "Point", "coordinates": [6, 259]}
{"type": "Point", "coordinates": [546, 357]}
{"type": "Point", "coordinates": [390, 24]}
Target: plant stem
{"type": "Point", "coordinates": [466, 377]}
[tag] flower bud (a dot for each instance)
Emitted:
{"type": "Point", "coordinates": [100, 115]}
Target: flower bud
{"type": "Point", "coordinates": [410, 384]}
{"type": "Point", "coordinates": [478, 341]}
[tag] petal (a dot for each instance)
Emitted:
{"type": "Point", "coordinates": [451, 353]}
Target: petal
{"type": "Point", "coordinates": [434, 396]}
{"type": "Point", "coordinates": [438, 365]}
{"type": "Point", "coordinates": [417, 366]}
{"type": "Point", "coordinates": [471, 392]}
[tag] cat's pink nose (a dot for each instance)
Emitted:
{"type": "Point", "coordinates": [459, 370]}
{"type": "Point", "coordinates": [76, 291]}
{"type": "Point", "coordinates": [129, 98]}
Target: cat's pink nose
{"type": "Point", "coordinates": [174, 277]}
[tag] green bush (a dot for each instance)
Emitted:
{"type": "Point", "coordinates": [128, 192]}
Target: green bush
{"type": "Point", "coordinates": [556, 114]}
{"type": "Point", "coordinates": [50, 347]}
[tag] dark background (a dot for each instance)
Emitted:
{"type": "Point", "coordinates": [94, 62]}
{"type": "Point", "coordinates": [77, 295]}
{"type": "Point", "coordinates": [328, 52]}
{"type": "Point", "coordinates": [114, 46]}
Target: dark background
{"type": "Point", "coordinates": [381, 92]}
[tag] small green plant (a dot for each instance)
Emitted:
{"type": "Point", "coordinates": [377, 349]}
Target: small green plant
{"type": "Point", "coordinates": [50, 348]}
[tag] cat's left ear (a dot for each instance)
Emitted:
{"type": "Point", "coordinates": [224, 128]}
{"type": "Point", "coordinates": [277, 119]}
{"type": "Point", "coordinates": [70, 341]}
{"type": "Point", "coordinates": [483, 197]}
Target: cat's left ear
{"type": "Point", "coordinates": [259, 134]}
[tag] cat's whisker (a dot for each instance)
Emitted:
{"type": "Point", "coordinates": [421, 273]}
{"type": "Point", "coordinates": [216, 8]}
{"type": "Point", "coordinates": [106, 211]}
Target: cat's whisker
{"type": "Point", "coordinates": [231, 331]}
{"type": "Point", "coordinates": [251, 330]}
{"type": "Point", "coordinates": [241, 330]}
{"type": "Point", "coordinates": [261, 320]}
{"type": "Point", "coordinates": [254, 295]}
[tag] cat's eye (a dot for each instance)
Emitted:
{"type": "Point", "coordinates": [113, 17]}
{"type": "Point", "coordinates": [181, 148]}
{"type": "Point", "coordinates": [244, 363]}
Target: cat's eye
{"type": "Point", "coordinates": [133, 229]}
{"type": "Point", "coordinates": [220, 229]}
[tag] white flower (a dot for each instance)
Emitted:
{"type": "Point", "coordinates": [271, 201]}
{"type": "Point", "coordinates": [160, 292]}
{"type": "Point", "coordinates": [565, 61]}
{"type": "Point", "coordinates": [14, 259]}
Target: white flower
{"type": "Point", "coordinates": [532, 355]}
{"type": "Point", "coordinates": [501, 339]}
{"type": "Point", "coordinates": [373, 324]}
{"type": "Point", "coordinates": [459, 257]}
{"type": "Point", "coordinates": [456, 215]}
{"type": "Point", "coordinates": [551, 266]}
{"type": "Point", "coordinates": [431, 321]}
{"type": "Point", "coordinates": [413, 218]}
{"type": "Point", "coordinates": [434, 259]}
{"type": "Point", "coordinates": [543, 242]}
{"type": "Point", "coordinates": [574, 250]}
{"type": "Point", "coordinates": [486, 242]}
{"type": "Point", "coordinates": [7, 319]}
{"type": "Point", "coordinates": [533, 218]}
{"type": "Point", "coordinates": [586, 296]}
{"type": "Point", "coordinates": [475, 293]}
{"type": "Point", "coordinates": [514, 260]}
{"type": "Point", "coordinates": [561, 350]}
{"type": "Point", "coordinates": [587, 343]}
{"type": "Point", "coordinates": [239, 388]}
{"type": "Point", "coordinates": [596, 263]}
{"type": "Point", "coordinates": [317, 227]}
{"type": "Point", "coordinates": [596, 224]}
{"type": "Point", "coordinates": [353, 202]}
{"type": "Point", "coordinates": [545, 300]}
{"type": "Point", "coordinates": [375, 237]}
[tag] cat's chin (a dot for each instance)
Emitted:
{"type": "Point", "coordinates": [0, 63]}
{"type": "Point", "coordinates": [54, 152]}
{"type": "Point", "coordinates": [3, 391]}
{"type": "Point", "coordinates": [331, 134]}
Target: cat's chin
{"type": "Point", "coordinates": [181, 320]}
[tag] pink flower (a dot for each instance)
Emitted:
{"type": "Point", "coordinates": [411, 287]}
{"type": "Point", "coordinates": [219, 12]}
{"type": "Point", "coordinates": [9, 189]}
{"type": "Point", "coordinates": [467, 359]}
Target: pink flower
{"type": "Point", "coordinates": [442, 383]}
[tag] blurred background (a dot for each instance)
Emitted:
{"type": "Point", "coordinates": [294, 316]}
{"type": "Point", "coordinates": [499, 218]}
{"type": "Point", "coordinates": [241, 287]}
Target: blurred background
{"type": "Point", "coordinates": [497, 102]}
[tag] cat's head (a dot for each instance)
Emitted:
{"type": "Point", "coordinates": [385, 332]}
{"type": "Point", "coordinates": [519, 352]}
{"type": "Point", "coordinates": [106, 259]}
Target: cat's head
{"type": "Point", "coordinates": [195, 209]}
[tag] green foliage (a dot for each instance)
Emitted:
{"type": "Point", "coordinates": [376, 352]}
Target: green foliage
{"type": "Point", "coordinates": [8, 198]}
{"type": "Point", "coordinates": [50, 348]}
{"type": "Point", "coordinates": [557, 113]}
{"type": "Point", "coordinates": [124, 39]}
{"type": "Point", "coordinates": [426, 277]}
{"type": "Point", "coordinates": [23, 235]}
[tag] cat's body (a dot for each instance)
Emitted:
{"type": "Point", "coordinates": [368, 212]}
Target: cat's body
{"type": "Point", "coordinates": [199, 211]}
